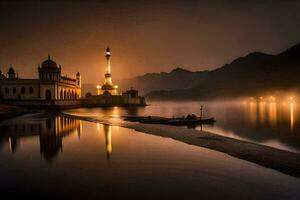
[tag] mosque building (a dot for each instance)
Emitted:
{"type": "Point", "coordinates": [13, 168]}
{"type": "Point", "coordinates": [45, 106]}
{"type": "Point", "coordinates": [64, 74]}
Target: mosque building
{"type": "Point", "coordinates": [52, 89]}
{"type": "Point", "coordinates": [108, 94]}
{"type": "Point", "coordinates": [50, 85]}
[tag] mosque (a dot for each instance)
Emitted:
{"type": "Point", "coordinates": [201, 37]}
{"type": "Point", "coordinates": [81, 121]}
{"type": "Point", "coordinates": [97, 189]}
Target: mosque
{"type": "Point", "coordinates": [52, 89]}
{"type": "Point", "coordinates": [108, 94]}
{"type": "Point", "coordinates": [50, 85]}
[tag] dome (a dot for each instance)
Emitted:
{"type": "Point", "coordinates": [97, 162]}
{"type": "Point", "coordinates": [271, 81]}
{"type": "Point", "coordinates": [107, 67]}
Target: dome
{"type": "Point", "coordinates": [11, 70]}
{"type": "Point", "coordinates": [49, 63]}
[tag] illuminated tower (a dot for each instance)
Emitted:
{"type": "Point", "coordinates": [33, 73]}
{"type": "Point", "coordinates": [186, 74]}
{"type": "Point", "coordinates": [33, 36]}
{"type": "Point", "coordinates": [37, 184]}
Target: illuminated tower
{"type": "Point", "coordinates": [108, 80]}
{"type": "Point", "coordinates": [107, 88]}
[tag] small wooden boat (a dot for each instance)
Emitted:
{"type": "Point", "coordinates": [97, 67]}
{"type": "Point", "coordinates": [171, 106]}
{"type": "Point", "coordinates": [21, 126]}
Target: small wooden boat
{"type": "Point", "coordinates": [169, 121]}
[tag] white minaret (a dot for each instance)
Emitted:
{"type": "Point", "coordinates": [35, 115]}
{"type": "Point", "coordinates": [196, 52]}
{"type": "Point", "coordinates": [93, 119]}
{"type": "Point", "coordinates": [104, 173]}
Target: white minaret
{"type": "Point", "coordinates": [108, 80]}
{"type": "Point", "coordinates": [107, 55]}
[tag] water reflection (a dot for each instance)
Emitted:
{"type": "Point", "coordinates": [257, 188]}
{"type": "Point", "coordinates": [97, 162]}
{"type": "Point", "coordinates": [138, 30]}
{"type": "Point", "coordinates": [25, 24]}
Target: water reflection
{"type": "Point", "coordinates": [252, 110]}
{"type": "Point", "coordinates": [292, 117]}
{"type": "Point", "coordinates": [262, 112]}
{"type": "Point", "coordinates": [265, 122]}
{"type": "Point", "coordinates": [50, 131]}
{"type": "Point", "coordinates": [270, 123]}
{"type": "Point", "coordinates": [273, 113]}
{"type": "Point", "coordinates": [108, 144]}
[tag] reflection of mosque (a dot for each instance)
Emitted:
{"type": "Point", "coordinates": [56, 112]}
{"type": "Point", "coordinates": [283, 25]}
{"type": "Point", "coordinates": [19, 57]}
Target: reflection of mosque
{"type": "Point", "coordinates": [51, 131]}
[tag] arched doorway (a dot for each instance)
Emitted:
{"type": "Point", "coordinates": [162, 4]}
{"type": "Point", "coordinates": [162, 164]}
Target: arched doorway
{"type": "Point", "coordinates": [61, 94]}
{"type": "Point", "coordinates": [48, 95]}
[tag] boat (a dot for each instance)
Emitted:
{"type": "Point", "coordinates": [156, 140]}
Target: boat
{"type": "Point", "coordinates": [170, 121]}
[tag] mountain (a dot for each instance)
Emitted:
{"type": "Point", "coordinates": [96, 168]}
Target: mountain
{"type": "Point", "coordinates": [177, 79]}
{"type": "Point", "coordinates": [246, 75]}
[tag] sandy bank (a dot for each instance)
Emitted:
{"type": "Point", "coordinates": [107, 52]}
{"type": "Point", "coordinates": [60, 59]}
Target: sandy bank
{"type": "Point", "coordinates": [283, 161]}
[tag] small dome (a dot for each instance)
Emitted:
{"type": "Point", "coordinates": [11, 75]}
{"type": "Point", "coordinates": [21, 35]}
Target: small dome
{"type": "Point", "coordinates": [49, 63]}
{"type": "Point", "coordinates": [11, 70]}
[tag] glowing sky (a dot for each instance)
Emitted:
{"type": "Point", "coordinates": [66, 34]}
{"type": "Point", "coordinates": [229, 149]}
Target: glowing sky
{"type": "Point", "coordinates": [144, 36]}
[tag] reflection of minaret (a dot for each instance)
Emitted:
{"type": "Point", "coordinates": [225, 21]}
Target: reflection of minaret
{"type": "Point", "coordinates": [13, 144]}
{"type": "Point", "coordinates": [108, 80]}
{"type": "Point", "coordinates": [292, 117]}
{"type": "Point", "coordinates": [107, 132]}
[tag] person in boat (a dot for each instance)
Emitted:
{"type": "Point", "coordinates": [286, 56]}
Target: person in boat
{"type": "Point", "coordinates": [191, 117]}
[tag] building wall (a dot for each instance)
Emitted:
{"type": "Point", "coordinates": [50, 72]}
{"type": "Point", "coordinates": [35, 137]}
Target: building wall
{"type": "Point", "coordinates": [67, 92]}
{"type": "Point", "coordinates": [19, 89]}
{"type": "Point", "coordinates": [108, 100]}
{"type": "Point", "coordinates": [44, 87]}
{"type": "Point", "coordinates": [34, 89]}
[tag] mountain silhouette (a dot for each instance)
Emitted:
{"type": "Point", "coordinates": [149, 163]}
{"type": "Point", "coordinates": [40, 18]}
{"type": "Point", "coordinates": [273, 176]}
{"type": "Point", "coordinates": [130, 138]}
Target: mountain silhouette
{"type": "Point", "coordinates": [248, 75]}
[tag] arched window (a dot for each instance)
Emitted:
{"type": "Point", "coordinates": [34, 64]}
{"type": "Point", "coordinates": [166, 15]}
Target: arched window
{"type": "Point", "coordinates": [31, 90]}
{"type": "Point", "coordinates": [65, 95]}
{"type": "Point", "coordinates": [14, 90]}
{"type": "Point", "coordinates": [6, 90]}
{"type": "Point", "coordinates": [61, 94]}
{"type": "Point", "coordinates": [23, 90]}
{"type": "Point", "coordinates": [48, 95]}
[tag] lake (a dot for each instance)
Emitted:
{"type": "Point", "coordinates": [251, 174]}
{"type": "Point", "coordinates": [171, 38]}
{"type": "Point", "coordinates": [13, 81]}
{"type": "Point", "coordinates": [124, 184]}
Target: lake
{"type": "Point", "coordinates": [56, 157]}
{"type": "Point", "coordinates": [272, 124]}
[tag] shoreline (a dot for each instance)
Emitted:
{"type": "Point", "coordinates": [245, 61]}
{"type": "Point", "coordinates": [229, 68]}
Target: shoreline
{"type": "Point", "coordinates": [269, 157]}
{"type": "Point", "coordinates": [7, 111]}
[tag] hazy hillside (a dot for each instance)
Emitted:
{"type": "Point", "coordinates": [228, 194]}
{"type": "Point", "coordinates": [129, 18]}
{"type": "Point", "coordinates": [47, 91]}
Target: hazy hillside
{"type": "Point", "coordinates": [177, 79]}
{"type": "Point", "coordinates": [245, 75]}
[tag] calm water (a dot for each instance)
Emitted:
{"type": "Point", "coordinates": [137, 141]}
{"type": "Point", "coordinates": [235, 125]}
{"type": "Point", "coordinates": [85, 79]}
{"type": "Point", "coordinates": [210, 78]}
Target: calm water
{"type": "Point", "coordinates": [272, 124]}
{"type": "Point", "coordinates": [56, 157]}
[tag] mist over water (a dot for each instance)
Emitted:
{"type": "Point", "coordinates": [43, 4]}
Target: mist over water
{"type": "Point", "coordinates": [270, 123]}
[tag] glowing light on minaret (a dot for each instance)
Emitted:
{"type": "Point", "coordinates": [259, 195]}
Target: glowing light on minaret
{"type": "Point", "coordinates": [108, 79]}
{"type": "Point", "coordinates": [107, 87]}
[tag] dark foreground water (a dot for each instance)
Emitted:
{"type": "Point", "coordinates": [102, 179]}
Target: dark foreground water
{"type": "Point", "coordinates": [58, 157]}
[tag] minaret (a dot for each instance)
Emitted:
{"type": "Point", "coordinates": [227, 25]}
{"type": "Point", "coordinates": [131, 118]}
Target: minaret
{"type": "Point", "coordinates": [108, 80]}
{"type": "Point", "coordinates": [107, 88]}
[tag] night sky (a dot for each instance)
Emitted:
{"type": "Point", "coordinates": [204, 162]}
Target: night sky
{"type": "Point", "coordinates": [144, 36]}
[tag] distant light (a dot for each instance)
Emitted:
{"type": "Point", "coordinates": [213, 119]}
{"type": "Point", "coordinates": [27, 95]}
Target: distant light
{"type": "Point", "coordinates": [291, 98]}
{"type": "Point", "coordinates": [272, 98]}
{"type": "Point", "coordinates": [98, 87]}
